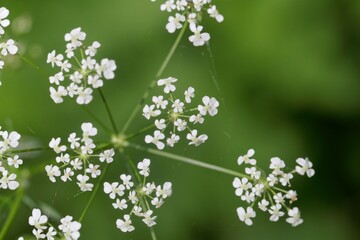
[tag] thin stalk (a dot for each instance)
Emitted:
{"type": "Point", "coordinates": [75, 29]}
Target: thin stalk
{"type": "Point", "coordinates": [189, 161]}
{"type": "Point", "coordinates": [158, 74]}
{"type": "Point", "coordinates": [26, 150]}
{"type": "Point", "coordinates": [12, 214]}
{"type": "Point", "coordinates": [93, 194]}
{"type": "Point", "coordinates": [37, 68]}
{"type": "Point", "coordinates": [108, 111]}
{"type": "Point", "coordinates": [145, 129]}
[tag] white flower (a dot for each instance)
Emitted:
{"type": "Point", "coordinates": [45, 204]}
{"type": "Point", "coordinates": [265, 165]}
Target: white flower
{"type": "Point", "coordinates": [210, 106]}
{"type": "Point", "coordinates": [148, 111]}
{"type": "Point", "coordinates": [285, 179]}
{"type": "Point", "coordinates": [164, 191]}
{"type": "Point", "coordinates": [196, 140]}
{"type": "Point", "coordinates": [272, 179]}
{"type": "Point", "coordinates": [178, 106]}
{"type": "Point", "coordinates": [160, 124]}
{"type": "Point", "coordinates": [68, 173]}
{"type": "Point", "coordinates": [156, 139]}
{"type": "Point", "coordinates": [198, 39]}
{"type": "Point", "coordinates": [305, 166]}
{"type": "Point", "coordinates": [51, 233]}
{"type": "Point", "coordinates": [291, 195]}
{"type": "Point", "coordinates": [263, 205]}
{"type": "Point", "coordinates": [175, 22]}
{"type": "Point", "coordinates": [253, 172]}
{"type": "Point", "coordinates": [106, 68]}
{"type": "Point", "coordinates": [84, 95]}
{"type": "Point", "coordinates": [88, 130]}
{"type": "Point", "coordinates": [125, 225]}
{"type": "Point", "coordinates": [294, 217]}
{"type": "Point", "coordinates": [57, 95]}
{"type": "Point", "coordinates": [57, 78]}
{"type": "Point", "coordinates": [75, 37]}
{"type": "Point", "coordinates": [74, 141]}
{"type": "Point", "coordinates": [127, 181]}
{"type": "Point", "coordinates": [120, 204]}
{"type": "Point", "coordinates": [160, 102]}
{"type": "Point", "coordinates": [168, 82]}
{"type": "Point", "coordinates": [8, 47]}
{"type": "Point", "coordinates": [15, 161]}
{"type": "Point", "coordinates": [4, 12]}
{"type": "Point", "coordinates": [172, 140]}
{"type": "Point", "coordinates": [54, 144]}
{"type": "Point", "coordinates": [107, 156]}
{"type": "Point", "coordinates": [91, 50]}
{"type": "Point", "coordinates": [144, 167]}
{"type": "Point", "coordinates": [69, 228]}
{"type": "Point", "coordinates": [114, 189]}
{"type": "Point", "coordinates": [83, 184]}
{"type": "Point", "coordinates": [275, 213]}
{"type": "Point", "coordinates": [52, 172]}
{"type": "Point", "coordinates": [279, 198]}
{"type": "Point", "coordinates": [180, 124]}
{"type": "Point", "coordinates": [148, 219]}
{"type": "Point", "coordinates": [8, 181]}
{"type": "Point", "coordinates": [214, 13]}
{"type": "Point", "coordinates": [246, 216]}
{"type": "Point", "coordinates": [37, 219]}
{"type": "Point", "coordinates": [247, 158]}
{"type": "Point", "coordinates": [168, 6]}
{"type": "Point", "coordinates": [54, 59]}
{"type": "Point", "coordinates": [95, 81]}
{"type": "Point", "coordinates": [241, 185]}
{"type": "Point", "coordinates": [189, 93]}
{"type": "Point", "coordinates": [277, 164]}
{"type": "Point", "coordinates": [93, 170]}
{"type": "Point", "coordinates": [196, 118]}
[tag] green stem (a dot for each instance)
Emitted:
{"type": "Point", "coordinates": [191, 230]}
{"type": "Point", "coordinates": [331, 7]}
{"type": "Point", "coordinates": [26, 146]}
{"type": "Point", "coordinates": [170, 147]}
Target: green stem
{"type": "Point", "coordinates": [26, 150]}
{"type": "Point", "coordinates": [12, 214]}
{"type": "Point", "coordinates": [93, 194]}
{"type": "Point", "coordinates": [145, 129]}
{"type": "Point", "coordinates": [37, 68]}
{"type": "Point", "coordinates": [108, 111]}
{"type": "Point", "coordinates": [189, 161]}
{"type": "Point", "coordinates": [158, 75]}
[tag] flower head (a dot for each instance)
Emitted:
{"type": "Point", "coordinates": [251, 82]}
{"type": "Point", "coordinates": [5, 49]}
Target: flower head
{"type": "Point", "coordinates": [79, 72]}
{"type": "Point", "coordinates": [172, 113]}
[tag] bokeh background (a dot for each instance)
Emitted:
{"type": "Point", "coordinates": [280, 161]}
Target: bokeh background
{"type": "Point", "coordinates": [288, 76]}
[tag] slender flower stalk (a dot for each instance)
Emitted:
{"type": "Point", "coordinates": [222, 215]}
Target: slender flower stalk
{"type": "Point", "coordinates": [10, 218]}
{"type": "Point", "coordinates": [188, 160]}
{"type": "Point", "coordinates": [93, 194]}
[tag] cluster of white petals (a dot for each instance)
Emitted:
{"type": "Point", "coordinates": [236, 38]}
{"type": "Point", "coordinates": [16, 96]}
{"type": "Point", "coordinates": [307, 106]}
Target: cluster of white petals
{"type": "Point", "coordinates": [67, 230]}
{"type": "Point", "coordinates": [190, 11]}
{"type": "Point", "coordinates": [7, 46]}
{"type": "Point", "coordinates": [137, 196]}
{"type": "Point", "coordinates": [173, 116]}
{"type": "Point", "coordinates": [270, 193]}
{"type": "Point", "coordinates": [78, 157]}
{"type": "Point", "coordinates": [80, 73]}
{"type": "Point", "coordinates": [8, 161]}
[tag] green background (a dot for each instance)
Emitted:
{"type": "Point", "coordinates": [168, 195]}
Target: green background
{"type": "Point", "coordinates": [288, 76]}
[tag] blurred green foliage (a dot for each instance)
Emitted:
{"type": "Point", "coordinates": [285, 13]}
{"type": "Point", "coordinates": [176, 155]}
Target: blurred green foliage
{"type": "Point", "coordinates": [289, 82]}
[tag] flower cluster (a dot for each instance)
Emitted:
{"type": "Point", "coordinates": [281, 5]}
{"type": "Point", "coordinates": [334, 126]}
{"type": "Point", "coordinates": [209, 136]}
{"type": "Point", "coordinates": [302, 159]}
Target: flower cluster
{"type": "Point", "coordinates": [6, 46]}
{"type": "Point", "coordinates": [172, 114]}
{"type": "Point", "coordinates": [190, 11]}
{"type": "Point", "coordinates": [8, 142]}
{"type": "Point", "coordinates": [68, 229]}
{"type": "Point", "coordinates": [76, 157]}
{"type": "Point", "coordinates": [138, 195]}
{"type": "Point", "coordinates": [80, 73]}
{"type": "Point", "coordinates": [269, 191]}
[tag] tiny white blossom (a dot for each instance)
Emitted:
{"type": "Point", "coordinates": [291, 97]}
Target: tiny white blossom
{"type": "Point", "coordinates": [294, 217]}
{"type": "Point", "coordinates": [305, 166]}
{"type": "Point", "coordinates": [245, 216]}
{"type": "Point", "coordinates": [168, 82]}
{"type": "Point", "coordinates": [247, 158]}
{"type": "Point", "coordinates": [125, 225]}
{"type": "Point", "coordinates": [196, 140]}
{"type": "Point", "coordinates": [199, 38]}
{"type": "Point", "coordinates": [156, 139]}
{"type": "Point", "coordinates": [144, 167]}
